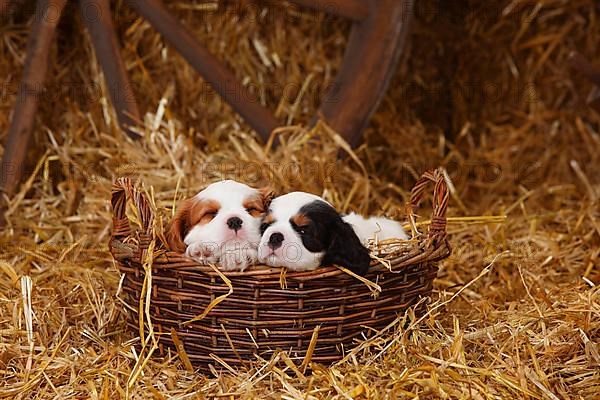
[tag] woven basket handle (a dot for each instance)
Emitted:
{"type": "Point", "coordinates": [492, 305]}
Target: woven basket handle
{"type": "Point", "coordinates": [437, 229]}
{"type": "Point", "coordinates": [123, 190]}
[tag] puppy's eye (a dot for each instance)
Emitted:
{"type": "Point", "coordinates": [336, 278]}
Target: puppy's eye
{"type": "Point", "coordinates": [211, 214]}
{"type": "Point", "coordinates": [252, 210]}
{"type": "Point", "coordinates": [301, 229]}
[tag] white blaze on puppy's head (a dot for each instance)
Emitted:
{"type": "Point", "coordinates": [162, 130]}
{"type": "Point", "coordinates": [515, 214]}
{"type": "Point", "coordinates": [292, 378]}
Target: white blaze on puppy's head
{"type": "Point", "coordinates": [220, 224]}
{"type": "Point", "coordinates": [302, 231]}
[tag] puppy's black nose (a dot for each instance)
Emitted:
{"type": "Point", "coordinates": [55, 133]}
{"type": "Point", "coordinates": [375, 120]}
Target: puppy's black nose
{"type": "Point", "coordinates": [275, 240]}
{"type": "Point", "coordinates": [234, 223]}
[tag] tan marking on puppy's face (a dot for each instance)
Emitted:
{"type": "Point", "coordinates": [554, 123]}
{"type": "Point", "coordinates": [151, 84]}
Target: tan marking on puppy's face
{"type": "Point", "coordinates": [269, 219]}
{"type": "Point", "coordinates": [258, 205]}
{"type": "Point", "coordinates": [300, 220]}
{"type": "Point", "coordinates": [191, 212]}
{"type": "Point", "coordinates": [254, 206]}
{"type": "Point", "coordinates": [267, 195]}
{"type": "Point", "coordinates": [203, 212]}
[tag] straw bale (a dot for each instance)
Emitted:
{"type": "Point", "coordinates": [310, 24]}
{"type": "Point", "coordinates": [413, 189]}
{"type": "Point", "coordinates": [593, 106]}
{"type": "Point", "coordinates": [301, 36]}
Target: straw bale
{"type": "Point", "coordinates": [484, 90]}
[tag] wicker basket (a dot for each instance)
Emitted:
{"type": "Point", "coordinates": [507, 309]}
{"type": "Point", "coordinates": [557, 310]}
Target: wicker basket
{"type": "Point", "coordinates": [260, 315]}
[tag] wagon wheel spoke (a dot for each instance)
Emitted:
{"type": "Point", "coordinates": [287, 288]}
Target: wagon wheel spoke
{"type": "Point", "coordinates": [7, 7]}
{"type": "Point", "coordinates": [30, 90]}
{"type": "Point", "coordinates": [370, 60]}
{"type": "Point", "coordinates": [222, 80]}
{"type": "Point", "coordinates": [97, 18]}
{"type": "Point", "coordinates": [356, 10]}
{"type": "Point", "coordinates": [591, 73]}
{"type": "Point", "coordinates": [4, 4]}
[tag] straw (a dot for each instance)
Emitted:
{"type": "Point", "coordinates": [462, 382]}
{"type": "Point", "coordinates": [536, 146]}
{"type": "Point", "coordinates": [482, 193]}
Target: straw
{"type": "Point", "coordinates": [485, 90]}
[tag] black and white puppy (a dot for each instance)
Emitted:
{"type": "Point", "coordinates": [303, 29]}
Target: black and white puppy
{"type": "Point", "coordinates": [301, 231]}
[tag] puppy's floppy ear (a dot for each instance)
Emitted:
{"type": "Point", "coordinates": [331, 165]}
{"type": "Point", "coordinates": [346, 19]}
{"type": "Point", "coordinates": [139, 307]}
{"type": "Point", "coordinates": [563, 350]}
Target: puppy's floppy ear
{"type": "Point", "coordinates": [346, 249]}
{"type": "Point", "coordinates": [180, 226]}
{"type": "Point", "coordinates": [267, 195]}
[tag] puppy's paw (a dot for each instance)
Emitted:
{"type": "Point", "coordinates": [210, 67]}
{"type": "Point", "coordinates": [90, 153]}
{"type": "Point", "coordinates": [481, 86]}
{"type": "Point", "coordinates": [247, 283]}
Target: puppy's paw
{"type": "Point", "coordinates": [251, 257]}
{"type": "Point", "coordinates": [201, 253]}
{"type": "Point", "coordinates": [238, 260]}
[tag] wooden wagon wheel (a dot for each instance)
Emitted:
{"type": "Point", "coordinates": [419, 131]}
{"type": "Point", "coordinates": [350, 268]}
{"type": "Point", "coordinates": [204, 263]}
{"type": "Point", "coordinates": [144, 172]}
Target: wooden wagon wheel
{"type": "Point", "coordinates": [591, 73]}
{"type": "Point", "coordinates": [376, 41]}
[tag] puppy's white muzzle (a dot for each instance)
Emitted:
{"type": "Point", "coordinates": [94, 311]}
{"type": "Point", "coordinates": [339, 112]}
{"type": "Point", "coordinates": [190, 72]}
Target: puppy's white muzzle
{"type": "Point", "coordinates": [282, 247]}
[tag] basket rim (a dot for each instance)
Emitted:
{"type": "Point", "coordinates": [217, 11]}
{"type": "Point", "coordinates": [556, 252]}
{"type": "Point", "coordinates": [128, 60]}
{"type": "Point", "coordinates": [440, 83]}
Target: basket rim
{"type": "Point", "coordinates": [126, 243]}
{"type": "Point", "coordinates": [177, 261]}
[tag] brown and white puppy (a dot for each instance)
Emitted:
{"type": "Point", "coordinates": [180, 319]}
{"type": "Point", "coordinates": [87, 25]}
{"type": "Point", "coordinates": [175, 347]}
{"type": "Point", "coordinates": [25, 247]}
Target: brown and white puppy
{"type": "Point", "coordinates": [302, 231]}
{"type": "Point", "coordinates": [221, 224]}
